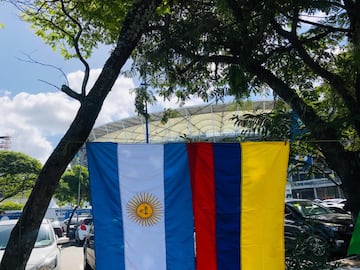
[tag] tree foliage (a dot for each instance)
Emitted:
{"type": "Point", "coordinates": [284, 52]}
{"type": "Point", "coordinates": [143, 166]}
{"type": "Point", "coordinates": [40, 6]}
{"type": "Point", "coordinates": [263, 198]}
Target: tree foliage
{"type": "Point", "coordinates": [62, 24]}
{"type": "Point", "coordinates": [68, 188]}
{"type": "Point", "coordinates": [307, 52]}
{"type": "Point", "coordinates": [10, 206]}
{"type": "Point", "coordinates": [18, 173]}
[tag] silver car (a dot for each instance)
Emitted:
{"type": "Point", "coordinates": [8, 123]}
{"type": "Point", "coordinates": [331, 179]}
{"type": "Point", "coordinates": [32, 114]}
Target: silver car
{"type": "Point", "coordinates": [46, 252]}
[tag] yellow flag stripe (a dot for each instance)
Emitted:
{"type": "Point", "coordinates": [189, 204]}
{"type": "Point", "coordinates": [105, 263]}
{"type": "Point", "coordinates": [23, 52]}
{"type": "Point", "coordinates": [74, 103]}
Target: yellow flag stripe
{"type": "Point", "coordinates": [264, 171]}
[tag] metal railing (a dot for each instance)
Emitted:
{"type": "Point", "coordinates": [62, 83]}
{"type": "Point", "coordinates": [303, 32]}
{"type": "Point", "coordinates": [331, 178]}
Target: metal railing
{"type": "Point", "coordinates": [314, 183]}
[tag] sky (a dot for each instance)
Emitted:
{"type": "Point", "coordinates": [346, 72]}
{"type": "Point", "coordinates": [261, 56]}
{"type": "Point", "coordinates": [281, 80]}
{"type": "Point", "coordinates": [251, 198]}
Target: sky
{"type": "Point", "coordinates": [34, 113]}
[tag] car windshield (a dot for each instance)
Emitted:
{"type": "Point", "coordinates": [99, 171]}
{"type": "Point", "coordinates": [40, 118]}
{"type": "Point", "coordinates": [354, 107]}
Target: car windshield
{"type": "Point", "coordinates": [308, 208]}
{"type": "Point", "coordinates": [44, 237]}
{"type": "Point", "coordinates": [87, 221]}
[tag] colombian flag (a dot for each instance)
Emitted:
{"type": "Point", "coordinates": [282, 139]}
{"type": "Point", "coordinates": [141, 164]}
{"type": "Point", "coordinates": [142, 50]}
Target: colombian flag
{"type": "Point", "coordinates": [188, 206]}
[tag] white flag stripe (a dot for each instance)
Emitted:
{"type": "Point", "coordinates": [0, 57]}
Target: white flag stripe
{"type": "Point", "coordinates": [141, 174]}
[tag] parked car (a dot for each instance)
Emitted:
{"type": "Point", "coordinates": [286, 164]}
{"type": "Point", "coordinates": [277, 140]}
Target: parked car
{"type": "Point", "coordinates": [323, 229]}
{"type": "Point", "coordinates": [301, 240]}
{"type": "Point", "coordinates": [69, 229]}
{"type": "Point", "coordinates": [82, 230]}
{"type": "Point", "coordinates": [338, 210]}
{"type": "Point", "coordinates": [57, 228]}
{"type": "Point", "coordinates": [46, 252]}
{"type": "Point", "coordinates": [74, 223]}
{"type": "Point", "coordinates": [334, 204]}
{"type": "Point", "coordinates": [89, 250]}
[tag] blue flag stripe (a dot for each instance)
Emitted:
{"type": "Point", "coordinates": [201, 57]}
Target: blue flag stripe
{"type": "Point", "coordinates": [178, 200]}
{"type": "Point", "coordinates": [227, 160]}
{"type": "Point", "coordinates": [106, 205]}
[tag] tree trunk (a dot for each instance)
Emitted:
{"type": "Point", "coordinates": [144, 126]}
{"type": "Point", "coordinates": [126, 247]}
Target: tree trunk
{"type": "Point", "coordinates": [24, 234]}
{"type": "Point", "coordinates": [345, 163]}
{"type": "Point", "coordinates": [347, 166]}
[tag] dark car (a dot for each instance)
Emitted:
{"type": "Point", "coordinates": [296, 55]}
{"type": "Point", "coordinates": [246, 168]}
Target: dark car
{"type": "Point", "coordinates": [300, 240]}
{"type": "Point", "coordinates": [323, 231]}
{"type": "Point", "coordinates": [57, 228]}
{"type": "Point", "coordinates": [74, 223]}
{"type": "Point", "coordinates": [69, 229]}
{"type": "Point", "coordinates": [89, 251]}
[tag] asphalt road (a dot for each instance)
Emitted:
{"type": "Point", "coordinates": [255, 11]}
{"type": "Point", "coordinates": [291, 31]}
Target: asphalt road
{"type": "Point", "coordinates": [71, 257]}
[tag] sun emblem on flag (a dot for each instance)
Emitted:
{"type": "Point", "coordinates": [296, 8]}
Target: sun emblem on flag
{"type": "Point", "coordinates": [144, 209]}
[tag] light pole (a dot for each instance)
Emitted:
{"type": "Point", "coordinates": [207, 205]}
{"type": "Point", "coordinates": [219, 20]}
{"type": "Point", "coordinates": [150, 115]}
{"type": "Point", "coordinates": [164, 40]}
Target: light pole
{"type": "Point", "coordinates": [146, 123]}
{"type": "Point", "coordinates": [79, 183]}
{"type": "Point", "coordinates": [146, 115]}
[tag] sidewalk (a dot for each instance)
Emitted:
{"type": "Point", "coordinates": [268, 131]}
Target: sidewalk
{"type": "Point", "coordinates": [352, 263]}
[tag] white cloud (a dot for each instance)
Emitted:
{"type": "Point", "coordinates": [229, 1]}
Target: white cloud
{"type": "Point", "coordinates": [173, 103]}
{"type": "Point", "coordinates": [119, 103]}
{"type": "Point", "coordinates": [35, 122]}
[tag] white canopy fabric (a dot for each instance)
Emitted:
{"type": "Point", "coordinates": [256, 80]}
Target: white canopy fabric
{"type": "Point", "coordinates": [200, 123]}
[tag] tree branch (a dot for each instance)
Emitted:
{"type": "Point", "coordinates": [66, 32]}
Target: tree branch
{"type": "Point", "coordinates": [353, 9]}
{"type": "Point", "coordinates": [335, 80]}
{"type": "Point", "coordinates": [67, 90]}
{"type": "Point", "coordinates": [328, 27]}
{"type": "Point", "coordinates": [33, 61]}
{"type": "Point", "coordinates": [76, 39]}
{"type": "Point", "coordinates": [319, 128]}
{"type": "Point", "coordinates": [331, 3]}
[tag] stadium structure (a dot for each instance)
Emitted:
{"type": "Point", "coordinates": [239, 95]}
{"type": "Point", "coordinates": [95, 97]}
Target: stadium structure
{"type": "Point", "coordinates": [199, 123]}
{"type": "Point", "coordinates": [5, 142]}
{"type": "Point", "coordinates": [211, 122]}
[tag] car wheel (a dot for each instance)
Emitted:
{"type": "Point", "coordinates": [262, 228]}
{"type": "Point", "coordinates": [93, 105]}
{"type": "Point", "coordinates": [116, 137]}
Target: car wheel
{"type": "Point", "coordinates": [87, 266]}
{"type": "Point", "coordinates": [316, 245]}
{"type": "Point", "coordinates": [79, 243]}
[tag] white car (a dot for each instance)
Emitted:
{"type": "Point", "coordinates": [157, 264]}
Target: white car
{"type": "Point", "coordinates": [337, 202]}
{"type": "Point", "coordinates": [82, 230]}
{"type": "Point", "coordinates": [46, 252]}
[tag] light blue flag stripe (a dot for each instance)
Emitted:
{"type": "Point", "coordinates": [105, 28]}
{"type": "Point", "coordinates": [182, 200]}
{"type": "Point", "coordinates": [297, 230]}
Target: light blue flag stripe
{"type": "Point", "coordinates": [141, 177]}
{"type": "Point", "coordinates": [178, 206]}
{"type": "Point", "coordinates": [104, 186]}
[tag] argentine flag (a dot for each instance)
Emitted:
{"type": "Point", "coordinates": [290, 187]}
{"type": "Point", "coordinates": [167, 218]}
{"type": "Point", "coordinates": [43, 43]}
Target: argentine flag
{"type": "Point", "coordinates": [188, 206]}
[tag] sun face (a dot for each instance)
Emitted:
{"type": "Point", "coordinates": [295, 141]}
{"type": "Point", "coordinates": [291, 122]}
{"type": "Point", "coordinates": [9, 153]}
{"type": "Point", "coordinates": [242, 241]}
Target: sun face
{"type": "Point", "coordinates": [144, 209]}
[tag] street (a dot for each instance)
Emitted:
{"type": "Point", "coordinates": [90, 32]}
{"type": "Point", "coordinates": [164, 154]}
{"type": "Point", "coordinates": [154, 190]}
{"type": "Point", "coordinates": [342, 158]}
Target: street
{"type": "Point", "coordinates": [71, 257]}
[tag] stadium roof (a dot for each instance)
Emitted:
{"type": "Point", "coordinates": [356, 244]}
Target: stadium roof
{"type": "Point", "coordinates": [199, 123]}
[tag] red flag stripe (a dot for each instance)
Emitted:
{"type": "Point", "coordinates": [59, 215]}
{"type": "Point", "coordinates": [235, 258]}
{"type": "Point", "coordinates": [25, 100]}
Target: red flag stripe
{"type": "Point", "coordinates": [203, 185]}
